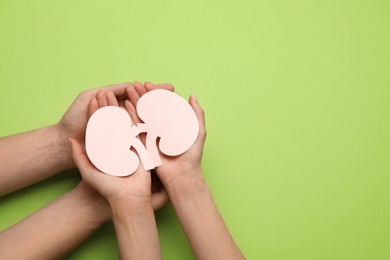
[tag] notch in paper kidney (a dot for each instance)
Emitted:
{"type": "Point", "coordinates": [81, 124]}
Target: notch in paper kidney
{"type": "Point", "coordinates": [110, 133]}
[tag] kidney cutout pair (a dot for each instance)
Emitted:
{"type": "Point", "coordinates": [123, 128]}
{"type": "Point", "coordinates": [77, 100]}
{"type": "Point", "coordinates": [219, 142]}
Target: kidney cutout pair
{"type": "Point", "coordinates": [110, 133]}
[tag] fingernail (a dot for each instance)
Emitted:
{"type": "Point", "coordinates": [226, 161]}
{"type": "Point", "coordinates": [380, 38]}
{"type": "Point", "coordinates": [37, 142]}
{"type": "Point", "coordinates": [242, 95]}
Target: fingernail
{"type": "Point", "coordinates": [194, 97]}
{"type": "Point", "coordinates": [70, 140]}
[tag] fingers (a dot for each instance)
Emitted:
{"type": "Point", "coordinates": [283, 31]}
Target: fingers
{"type": "Point", "coordinates": [87, 170]}
{"type": "Point", "coordinates": [117, 89]}
{"type": "Point", "coordinates": [199, 114]}
{"type": "Point", "coordinates": [140, 88]}
{"type": "Point", "coordinates": [111, 99]}
{"type": "Point", "coordinates": [133, 95]}
{"type": "Point", "coordinates": [80, 158]}
{"type": "Point", "coordinates": [93, 106]}
{"type": "Point", "coordinates": [121, 90]}
{"type": "Point", "coordinates": [159, 199]}
{"type": "Point", "coordinates": [150, 86]}
{"type": "Point", "coordinates": [102, 99]}
{"type": "Point", "coordinates": [132, 112]}
{"type": "Point", "coordinates": [137, 90]}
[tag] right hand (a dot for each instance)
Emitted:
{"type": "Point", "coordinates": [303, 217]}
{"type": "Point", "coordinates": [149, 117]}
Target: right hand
{"type": "Point", "coordinates": [178, 168]}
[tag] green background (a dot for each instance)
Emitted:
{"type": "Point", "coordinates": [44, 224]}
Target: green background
{"type": "Point", "coordinates": [296, 95]}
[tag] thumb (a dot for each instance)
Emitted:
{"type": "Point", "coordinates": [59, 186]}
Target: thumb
{"type": "Point", "coordinates": [159, 199]}
{"type": "Point", "coordinates": [80, 158]}
{"type": "Point", "coordinates": [200, 115]}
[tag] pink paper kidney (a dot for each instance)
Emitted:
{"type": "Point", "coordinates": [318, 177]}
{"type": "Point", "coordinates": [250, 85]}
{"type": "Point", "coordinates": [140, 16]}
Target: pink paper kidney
{"type": "Point", "coordinates": [170, 117]}
{"type": "Point", "coordinates": [109, 135]}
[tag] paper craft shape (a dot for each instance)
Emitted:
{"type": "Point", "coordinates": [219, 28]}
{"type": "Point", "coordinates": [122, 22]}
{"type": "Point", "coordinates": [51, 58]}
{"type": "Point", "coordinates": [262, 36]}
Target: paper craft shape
{"type": "Point", "coordinates": [170, 117]}
{"type": "Point", "coordinates": [110, 133]}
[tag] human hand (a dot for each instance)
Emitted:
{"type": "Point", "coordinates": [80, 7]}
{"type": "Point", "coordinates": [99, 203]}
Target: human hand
{"type": "Point", "coordinates": [177, 168]}
{"type": "Point", "coordinates": [90, 196]}
{"type": "Point", "coordinates": [74, 121]}
{"type": "Point", "coordinates": [135, 189]}
{"type": "Point", "coordinates": [190, 195]}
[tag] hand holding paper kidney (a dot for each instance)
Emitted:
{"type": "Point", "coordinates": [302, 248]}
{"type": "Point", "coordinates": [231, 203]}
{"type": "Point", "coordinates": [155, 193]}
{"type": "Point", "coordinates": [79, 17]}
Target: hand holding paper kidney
{"type": "Point", "coordinates": [170, 117]}
{"type": "Point", "coordinates": [110, 133]}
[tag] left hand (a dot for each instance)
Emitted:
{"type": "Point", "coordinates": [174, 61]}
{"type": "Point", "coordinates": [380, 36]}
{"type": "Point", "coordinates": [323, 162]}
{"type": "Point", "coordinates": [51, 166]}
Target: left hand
{"type": "Point", "coordinates": [132, 190]}
{"type": "Point", "coordinates": [75, 119]}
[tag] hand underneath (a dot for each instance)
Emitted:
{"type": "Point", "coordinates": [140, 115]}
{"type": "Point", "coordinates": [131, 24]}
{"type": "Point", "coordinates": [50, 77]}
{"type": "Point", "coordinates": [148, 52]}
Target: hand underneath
{"type": "Point", "coordinates": [190, 196]}
{"type": "Point", "coordinates": [74, 121]}
{"type": "Point", "coordinates": [130, 197]}
{"type": "Point", "coordinates": [176, 168]}
{"type": "Point", "coordinates": [133, 190]}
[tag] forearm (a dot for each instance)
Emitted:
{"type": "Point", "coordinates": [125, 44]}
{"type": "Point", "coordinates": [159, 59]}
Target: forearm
{"type": "Point", "coordinates": [202, 223]}
{"type": "Point", "coordinates": [55, 230]}
{"type": "Point", "coordinates": [136, 231]}
{"type": "Point", "coordinates": [30, 157]}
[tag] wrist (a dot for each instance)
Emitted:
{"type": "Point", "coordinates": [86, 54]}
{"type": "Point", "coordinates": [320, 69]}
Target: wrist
{"type": "Point", "coordinates": [130, 208]}
{"type": "Point", "coordinates": [187, 185]}
{"type": "Point", "coordinates": [92, 201]}
{"type": "Point", "coordinates": [136, 230]}
{"type": "Point", "coordinates": [62, 146]}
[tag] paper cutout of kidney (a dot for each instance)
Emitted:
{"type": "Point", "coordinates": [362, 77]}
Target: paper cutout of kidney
{"type": "Point", "coordinates": [110, 134]}
{"type": "Point", "coordinates": [170, 117]}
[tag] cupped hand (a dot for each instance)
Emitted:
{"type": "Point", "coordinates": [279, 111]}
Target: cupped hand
{"type": "Point", "coordinates": [173, 168]}
{"type": "Point", "coordinates": [74, 121]}
{"type": "Point", "coordinates": [131, 190]}
{"type": "Point", "coordinates": [190, 161]}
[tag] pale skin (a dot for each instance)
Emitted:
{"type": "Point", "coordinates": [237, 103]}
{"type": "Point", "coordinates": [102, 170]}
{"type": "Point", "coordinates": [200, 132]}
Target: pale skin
{"type": "Point", "coordinates": [81, 211]}
{"type": "Point", "coordinates": [182, 178]}
{"type": "Point", "coordinates": [130, 199]}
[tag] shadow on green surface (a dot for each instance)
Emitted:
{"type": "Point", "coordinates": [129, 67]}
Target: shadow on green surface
{"type": "Point", "coordinates": [53, 186]}
{"type": "Point", "coordinates": [102, 244]}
